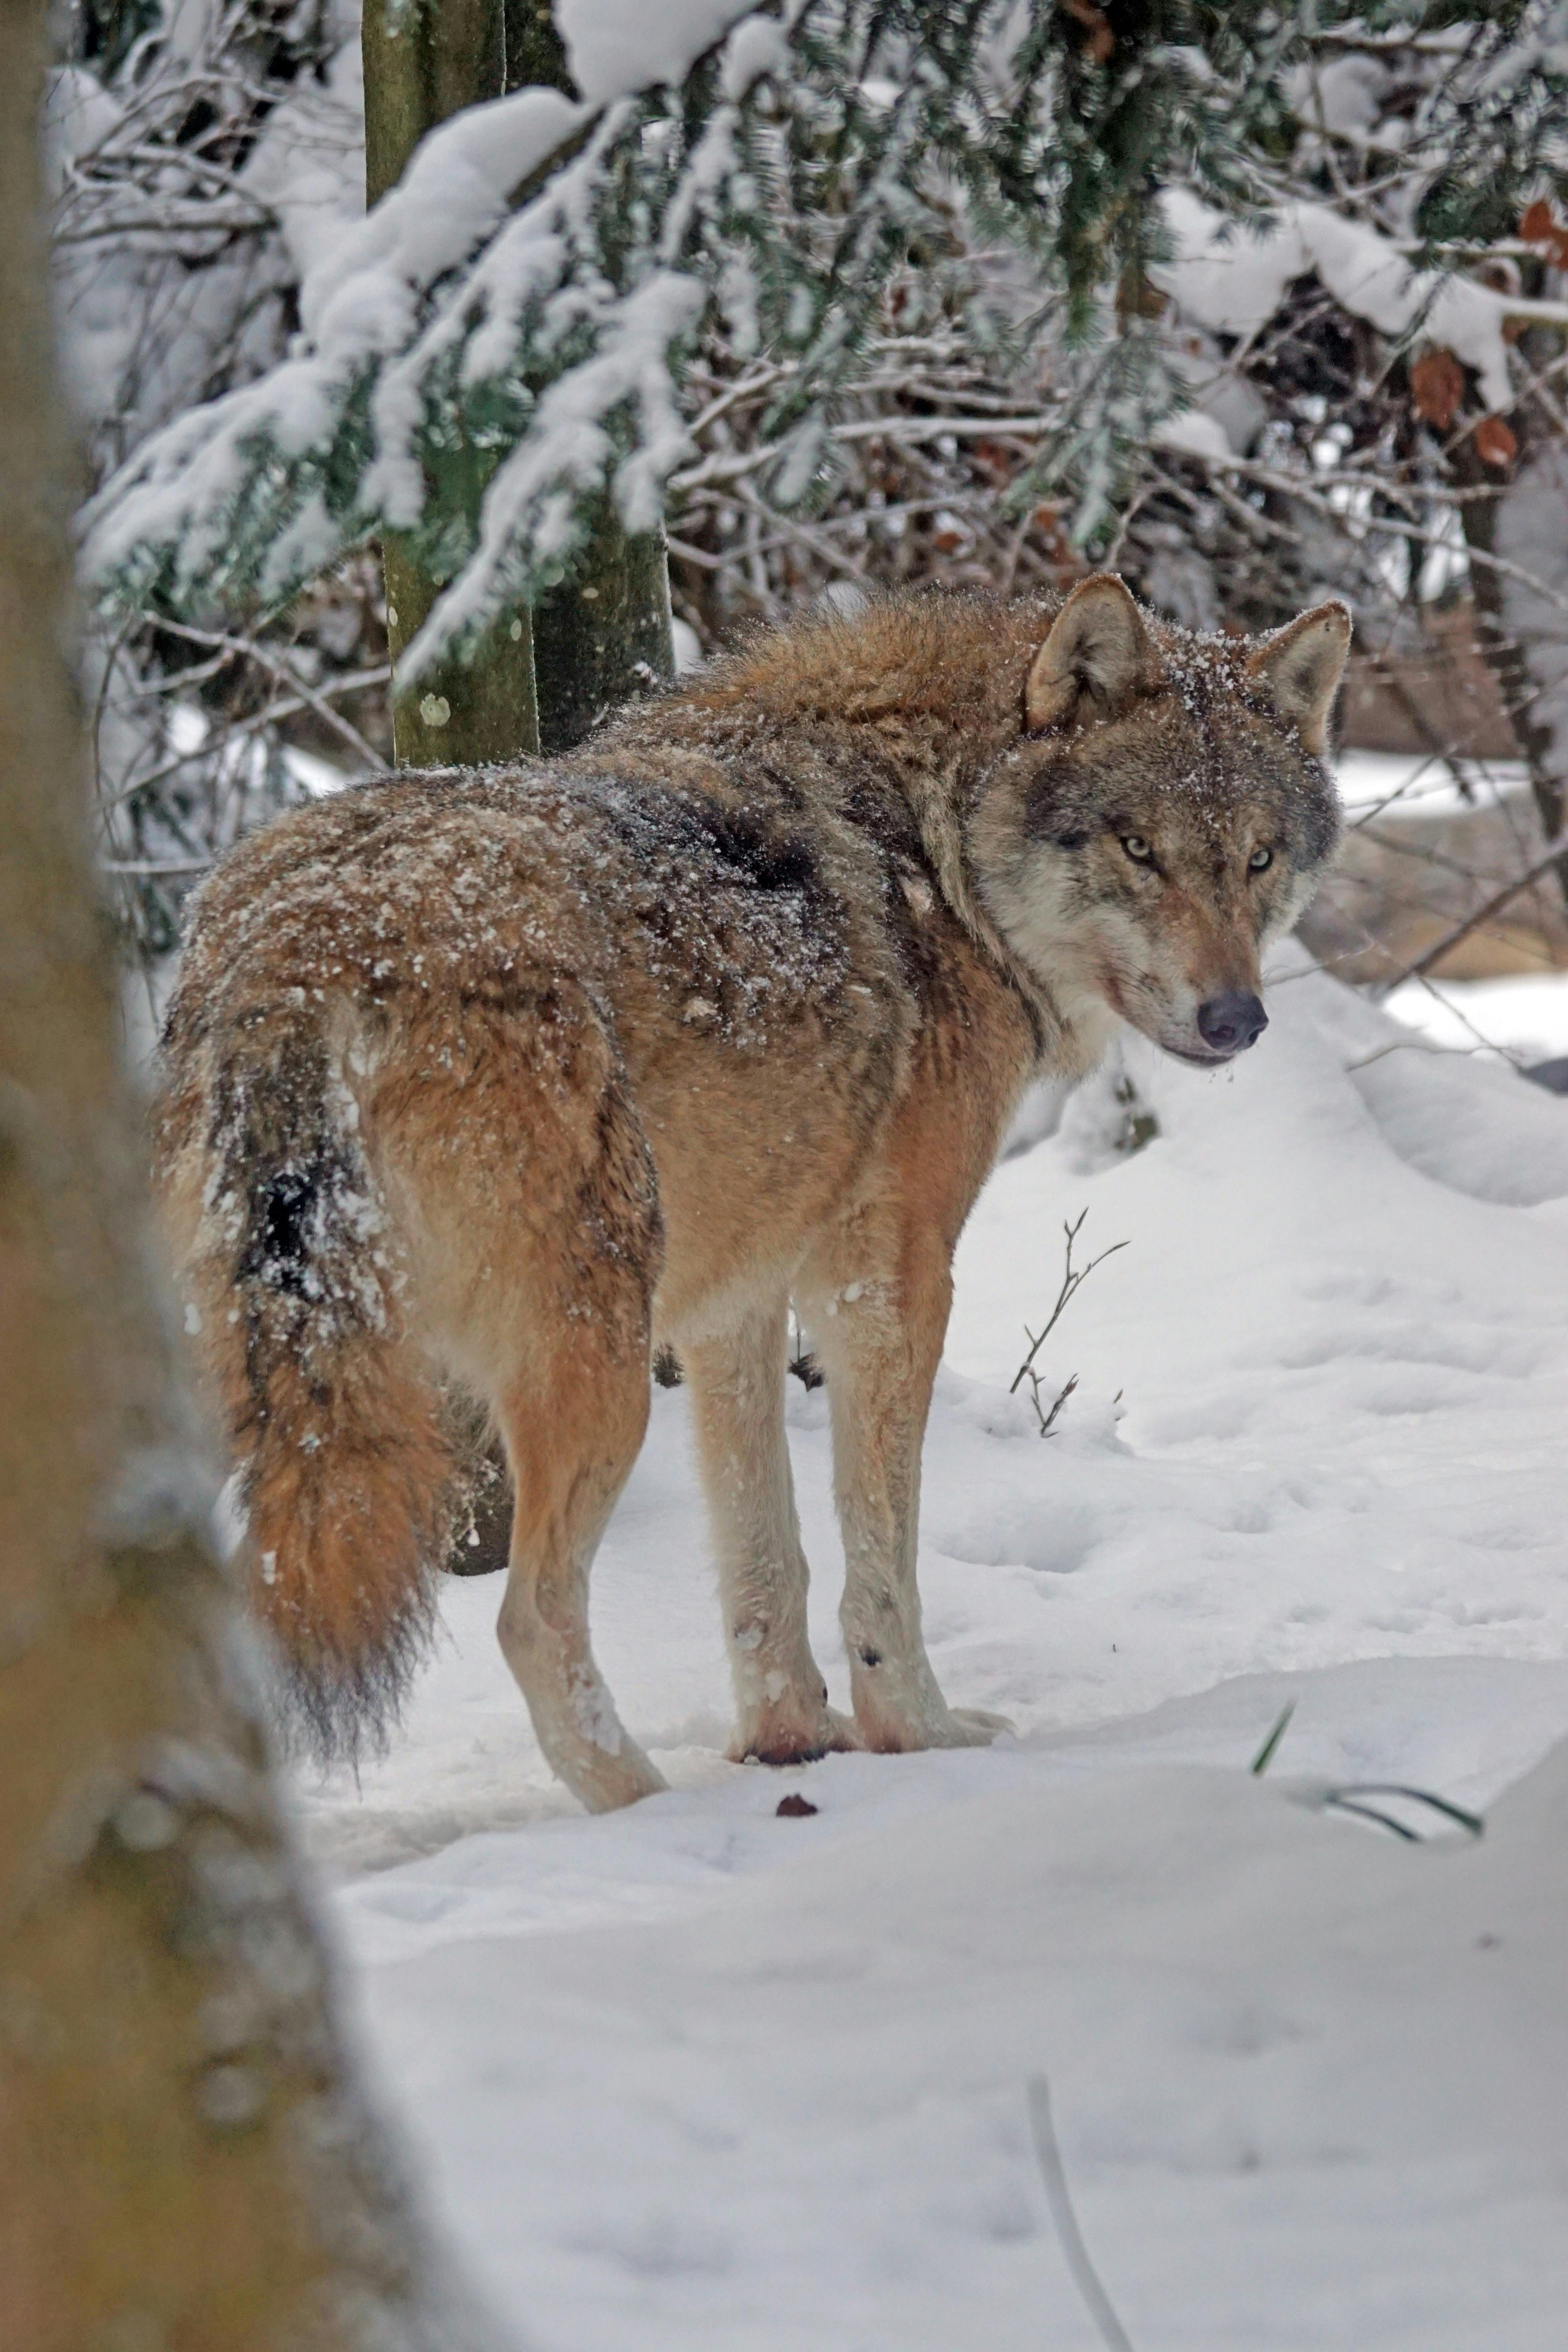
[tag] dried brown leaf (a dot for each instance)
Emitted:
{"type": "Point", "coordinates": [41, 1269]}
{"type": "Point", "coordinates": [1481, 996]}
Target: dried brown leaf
{"type": "Point", "coordinates": [1437, 387]}
{"type": "Point", "coordinates": [1495, 442]}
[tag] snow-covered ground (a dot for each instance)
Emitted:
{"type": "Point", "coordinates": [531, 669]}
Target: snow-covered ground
{"type": "Point", "coordinates": [697, 2075]}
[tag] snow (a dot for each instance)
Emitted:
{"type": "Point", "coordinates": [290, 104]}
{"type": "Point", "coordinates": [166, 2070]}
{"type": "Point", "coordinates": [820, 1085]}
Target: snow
{"type": "Point", "coordinates": [313, 181]}
{"type": "Point", "coordinates": [1346, 96]}
{"type": "Point", "coordinates": [1305, 2083]}
{"type": "Point", "coordinates": [688, 655]}
{"type": "Point", "coordinates": [696, 2076]}
{"type": "Point", "coordinates": [1233, 283]}
{"type": "Point", "coordinates": [1193, 434]}
{"type": "Point", "coordinates": [440, 278]}
{"type": "Point", "coordinates": [153, 315]}
{"type": "Point", "coordinates": [614, 47]}
{"type": "Point", "coordinates": [1524, 1018]}
{"type": "Point", "coordinates": [361, 297]}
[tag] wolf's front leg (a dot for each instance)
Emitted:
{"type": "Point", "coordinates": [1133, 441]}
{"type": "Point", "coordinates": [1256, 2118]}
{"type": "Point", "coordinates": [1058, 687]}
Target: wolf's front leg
{"type": "Point", "coordinates": [737, 1389]}
{"type": "Point", "coordinates": [879, 1336]}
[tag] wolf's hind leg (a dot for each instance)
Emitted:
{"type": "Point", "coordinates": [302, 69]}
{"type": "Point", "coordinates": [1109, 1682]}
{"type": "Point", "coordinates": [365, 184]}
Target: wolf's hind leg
{"type": "Point", "coordinates": [737, 1389]}
{"type": "Point", "coordinates": [571, 1433]}
{"type": "Point", "coordinates": [542, 1245]}
{"type": "Point", "coordinates": [879, 1336]}
{"type": "Point", "coordinates": [572, 1445]}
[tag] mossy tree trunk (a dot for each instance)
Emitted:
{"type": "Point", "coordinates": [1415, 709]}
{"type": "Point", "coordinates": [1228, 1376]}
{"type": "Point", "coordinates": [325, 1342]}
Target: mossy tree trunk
{"type": "Point", "coordinates": [422, 63]}
{"type": "Point", "coordinates": [184, 2159]}
{"type": "Point", "coordinates": [604, 634]}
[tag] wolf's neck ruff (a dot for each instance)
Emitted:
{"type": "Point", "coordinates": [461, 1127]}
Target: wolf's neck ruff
{"type": "Point", "coordinates": [941, 817]}
{"type": "Point", "coordinates": [505, 1077]}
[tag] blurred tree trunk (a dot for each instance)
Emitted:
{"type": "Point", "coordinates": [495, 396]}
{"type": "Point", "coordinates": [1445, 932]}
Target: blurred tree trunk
{"type": "Point", "coordinates": [1499, 641]}
{"type": "Point", "coordinates": [184, 2158]}
{"type": "Point", "coordinates": [603, 634]}
{"type": "Point", "coordinates": [423, 63]}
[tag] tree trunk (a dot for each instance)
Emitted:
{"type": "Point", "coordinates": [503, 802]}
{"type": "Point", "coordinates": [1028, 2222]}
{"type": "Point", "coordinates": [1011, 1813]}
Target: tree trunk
{"type": "Point", "coordinates": [422, 63]}
{"type": "Point", "coordinates": [184, 2158]}
{"type": "Point", "coordinates": [603, 634]}
{"type": "Point", "coordinates": [1499, 642]}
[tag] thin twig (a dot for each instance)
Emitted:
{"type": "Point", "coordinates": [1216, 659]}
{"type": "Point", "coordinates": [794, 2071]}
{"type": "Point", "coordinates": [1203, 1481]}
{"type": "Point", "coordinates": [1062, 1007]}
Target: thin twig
{"type": "Point", "coordinates": [143, 867]}
{"type": "Point", "coordinates": [277, 663]}
{"type": "Point", "coordinates": [1073, 1280]}
{"type": "Point", "coordinates": [1555, 849]}
{"type": "Point", "coordinates": [1085, 2277]}
{"type": "Point", "coordinates": [1048, 1420]}
{"type": "Point", "coordinates": [1417, 1046]}
{"type": "Point", "coordinates": [1345, 1800]}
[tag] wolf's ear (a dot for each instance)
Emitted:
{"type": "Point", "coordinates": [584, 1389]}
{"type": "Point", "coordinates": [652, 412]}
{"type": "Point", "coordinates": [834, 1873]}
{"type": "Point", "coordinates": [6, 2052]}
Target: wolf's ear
{"type": "Point", "coordinates": [1097, 641]}
{"type": "Point", "coordinates": [1301, 666]}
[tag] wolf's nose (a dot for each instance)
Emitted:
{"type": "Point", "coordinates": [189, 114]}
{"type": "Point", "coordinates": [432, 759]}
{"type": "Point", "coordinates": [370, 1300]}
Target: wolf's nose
{"type": "Point", "coordinates": [1232, 1020]}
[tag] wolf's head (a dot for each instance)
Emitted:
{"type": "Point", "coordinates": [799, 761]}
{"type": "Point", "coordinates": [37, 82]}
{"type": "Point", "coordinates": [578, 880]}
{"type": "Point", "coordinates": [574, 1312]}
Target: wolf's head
{"type": "Point", "coordinates": [1164, 814]}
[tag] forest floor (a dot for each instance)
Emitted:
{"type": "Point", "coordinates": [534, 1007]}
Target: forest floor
{"type": "Point", "coordinates": [696, 2076]}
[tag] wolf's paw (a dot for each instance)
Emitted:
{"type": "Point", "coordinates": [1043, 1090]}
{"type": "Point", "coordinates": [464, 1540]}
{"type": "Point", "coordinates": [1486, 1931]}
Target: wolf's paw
{"type": "Point", "coordinates": [972, 1727]}
{"type": "Point", "coordinates": [603, 1784]}
{"type": "Point", "coordinates": [891, 1732]}
{"type": "Point", "coordinates": [795, 1737]}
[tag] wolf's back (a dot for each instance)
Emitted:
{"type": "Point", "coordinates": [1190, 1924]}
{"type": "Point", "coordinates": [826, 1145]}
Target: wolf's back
{"type": "Point", "coordinates": [294, 1273]}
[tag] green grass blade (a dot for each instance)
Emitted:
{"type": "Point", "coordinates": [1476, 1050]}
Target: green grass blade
{"type": "Point", "coordinates": [1264, 1756]}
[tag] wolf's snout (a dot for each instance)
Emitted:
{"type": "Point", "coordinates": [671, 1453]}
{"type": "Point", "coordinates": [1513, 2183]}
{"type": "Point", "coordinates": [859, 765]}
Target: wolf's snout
{"type": "Point", "coordinates": [1232, 1020]}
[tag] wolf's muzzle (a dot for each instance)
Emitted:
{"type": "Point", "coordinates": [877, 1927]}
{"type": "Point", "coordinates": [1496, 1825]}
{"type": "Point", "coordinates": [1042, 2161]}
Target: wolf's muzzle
{"type": "Point", "coordinates": [1232, 1020]}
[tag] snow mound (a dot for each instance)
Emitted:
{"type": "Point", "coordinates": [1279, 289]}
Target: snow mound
{"type": "Point", "coordinates": [1470, 1124]}
{"type": "Point", "coordinates": [1461, 1119]}
{"type": "Point", "coordinates": [1308, 2085]}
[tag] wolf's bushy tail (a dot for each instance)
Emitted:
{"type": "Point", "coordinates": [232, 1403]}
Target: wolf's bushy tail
{"type": "Point", "coordinates": [300, 1286]}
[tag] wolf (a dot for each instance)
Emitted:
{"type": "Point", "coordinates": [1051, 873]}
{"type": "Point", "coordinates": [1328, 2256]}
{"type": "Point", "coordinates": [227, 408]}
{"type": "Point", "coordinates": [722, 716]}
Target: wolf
{"type": "Point", "coordinates": [507, 1078]}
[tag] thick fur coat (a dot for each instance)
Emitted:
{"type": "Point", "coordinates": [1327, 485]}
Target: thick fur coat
{"type": "Point", "coordinates": [506, 1076]}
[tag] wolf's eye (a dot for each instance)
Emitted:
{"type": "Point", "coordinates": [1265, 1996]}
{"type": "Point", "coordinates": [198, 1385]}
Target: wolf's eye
{"type": "Point", "coordinates": [1137, 848]}
{"type": "Point", "coordinates": [1260, 859]}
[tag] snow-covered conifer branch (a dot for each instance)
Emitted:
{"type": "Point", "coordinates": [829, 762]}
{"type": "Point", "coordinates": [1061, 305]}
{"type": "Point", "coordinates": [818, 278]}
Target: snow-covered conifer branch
{"type": "Point", "coordinates": [779, 186]}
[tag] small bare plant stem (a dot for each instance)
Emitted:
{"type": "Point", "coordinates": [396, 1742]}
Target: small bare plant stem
{"type": "Point", "coordinates": [1047, 1420]}
{"type": "Point", "coordinates": [1073, 1279]}
{"type": "Point", "coordinates": [1052, 2172]}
